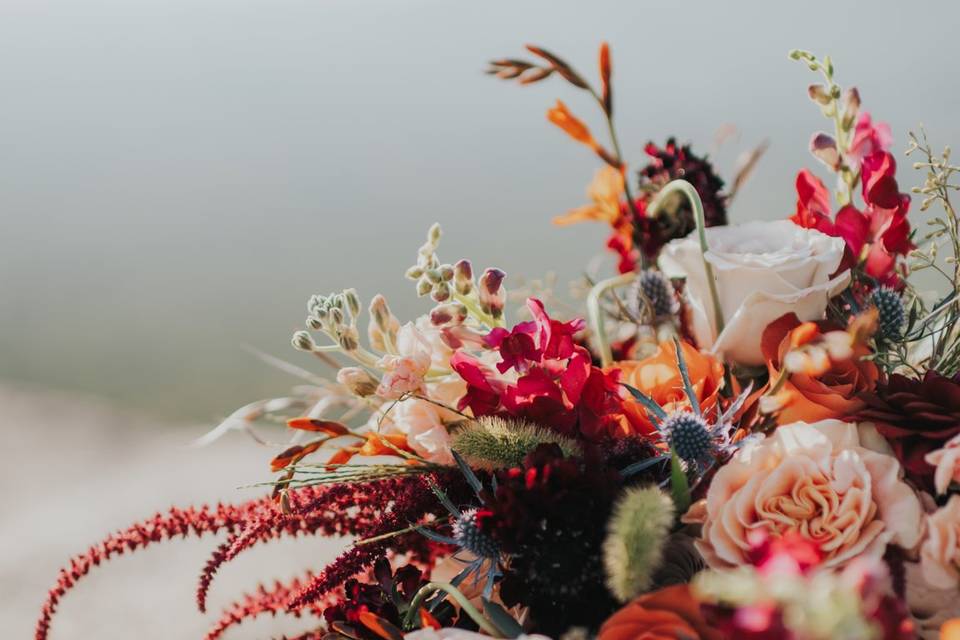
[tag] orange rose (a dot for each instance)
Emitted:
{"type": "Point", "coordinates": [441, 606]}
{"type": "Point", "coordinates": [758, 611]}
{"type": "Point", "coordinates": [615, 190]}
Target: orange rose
{"type": "Point", "coordinates": [667, 614]}
{"type": "Point", "coordinates": [829, 391]}
{"type": "Point", "coordinates": [659, 377]}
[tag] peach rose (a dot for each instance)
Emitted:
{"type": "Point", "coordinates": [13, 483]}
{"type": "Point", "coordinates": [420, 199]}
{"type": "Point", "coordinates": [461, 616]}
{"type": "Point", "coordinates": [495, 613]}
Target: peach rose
{"type": "Point", "coordinates": [659, 378]}
{"type": "Point", "coordinates": [833, 392]}
{"type": "Point", "coordinates": [816, 479]}
{"type": "Point", "coordinates": [940, 551]}
{"type": "Point", "coordinates": [667, 614]}
{"type": "Point", "coordinates": [947, 462]}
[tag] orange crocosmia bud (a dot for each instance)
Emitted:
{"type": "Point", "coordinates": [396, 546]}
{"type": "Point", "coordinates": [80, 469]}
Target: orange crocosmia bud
{"type": "Point", "coordinates": [605, 73]}
{"type": "Point", "coordinates": [292, 455]}
{"type": "Point", "coordinates": [329, 427]}
{"type": "Point", "coordinates": [572, 126]}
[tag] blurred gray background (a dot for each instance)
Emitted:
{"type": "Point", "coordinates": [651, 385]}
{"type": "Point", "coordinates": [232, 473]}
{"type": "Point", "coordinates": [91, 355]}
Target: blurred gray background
{"type": "Point", "coordinates": [177, 177]}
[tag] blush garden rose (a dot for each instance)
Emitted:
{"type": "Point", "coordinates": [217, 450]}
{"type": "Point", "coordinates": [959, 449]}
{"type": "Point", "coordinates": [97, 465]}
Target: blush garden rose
{"type": "Point", "coordinates": [818, 480]}
{"type": "Point", "coordinates": [763, 270]}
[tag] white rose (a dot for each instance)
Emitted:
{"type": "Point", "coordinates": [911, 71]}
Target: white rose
{"type": "Point", "coordinates": [762, 270]}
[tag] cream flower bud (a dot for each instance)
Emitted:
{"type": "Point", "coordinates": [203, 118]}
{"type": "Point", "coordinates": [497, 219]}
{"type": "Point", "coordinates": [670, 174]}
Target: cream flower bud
{"type": "Point", "coordinates": [463, 277]}
{"type": "Point", "coordinates": [353, 301]}
{"type": "Point", "coordinates": [492, 292]}
{"type": "Point", "coordinates": [424, 286]}
{"type": "Point", "coordinates": [441, 292]}
{"type": "Point", "coordinates": [433, 235]}
{"type": "Point", "coordinates": [448, 315]}
{"type": "Point", "coordinates": [358, 381]}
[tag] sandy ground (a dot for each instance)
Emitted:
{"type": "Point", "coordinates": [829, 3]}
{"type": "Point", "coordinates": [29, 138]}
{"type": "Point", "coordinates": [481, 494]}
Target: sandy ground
{"type": "Point", "coordinates": [74, 469]}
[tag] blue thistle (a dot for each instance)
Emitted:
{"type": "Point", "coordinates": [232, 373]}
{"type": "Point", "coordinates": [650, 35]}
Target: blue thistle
{"type": "Point", "coordinates": [689, 435]}
{"type": "Point", "coordinates": [469, 536]}
{"type": "Point", "coordinates": [892, 315]}
{"type": "Point", "coordinates": [652, 292]}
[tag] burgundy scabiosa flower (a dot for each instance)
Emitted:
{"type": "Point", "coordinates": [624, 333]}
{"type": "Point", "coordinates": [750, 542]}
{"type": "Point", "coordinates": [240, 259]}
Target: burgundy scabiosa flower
{"type": "Point", "coordinates": [916, 417]}
{"type": "Point", "coordinates": [670, 162]}
{"type": "Point", "coordinates": [549, 516]}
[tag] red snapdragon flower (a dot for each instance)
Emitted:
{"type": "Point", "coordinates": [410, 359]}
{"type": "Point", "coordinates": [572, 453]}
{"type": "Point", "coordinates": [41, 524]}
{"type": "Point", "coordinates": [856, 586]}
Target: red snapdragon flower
{"type": "Point", "coordinates": [878, 234]}
{"type": "Point", "coordinates": [556, 384]}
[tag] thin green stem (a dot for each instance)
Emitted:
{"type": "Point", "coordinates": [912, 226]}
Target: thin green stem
{"type": "Point", "coordinates": [595, 313]}
{"type": "Point", "coordinates": [690, 192]}
{"type": "Point", "coordinates": [471, 304]}
{"type": "Point", "coordinates": [431, 588]}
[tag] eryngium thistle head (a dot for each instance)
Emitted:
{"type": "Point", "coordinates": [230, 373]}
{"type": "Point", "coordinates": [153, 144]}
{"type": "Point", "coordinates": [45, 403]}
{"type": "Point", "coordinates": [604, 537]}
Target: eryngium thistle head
{"type": "Point", "coordinates": [494, 443]}
{"type": "Point", "coordinates": [652, 296]}
{"type": "Point", "coordinates": [468, 535]}
{"type": "Point", "coordinates": [636, 535]}
{"type": "Point", "coordinates": [688, 435]}
{"type": "Point", "coordinates": [890, 305]}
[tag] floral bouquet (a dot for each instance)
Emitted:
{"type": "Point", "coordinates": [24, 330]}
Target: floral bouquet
{"type": "Point", "coordinates": [752, 431]}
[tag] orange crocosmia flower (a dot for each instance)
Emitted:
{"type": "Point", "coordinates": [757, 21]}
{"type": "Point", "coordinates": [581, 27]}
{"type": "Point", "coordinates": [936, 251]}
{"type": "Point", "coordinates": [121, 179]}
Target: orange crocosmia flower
{"type": "Point", "coordinates": [572, 126]}
{"type": "Point", "coordinates": [604, 192]}
{"type": "Point", "coordinates": [374, 444]}
{"type": "Point", "coordinates": [667, 614]}
{"type": "Point", "coordinates": [659, 377]}
{"type": "Point", "coordinates": [827, 388]}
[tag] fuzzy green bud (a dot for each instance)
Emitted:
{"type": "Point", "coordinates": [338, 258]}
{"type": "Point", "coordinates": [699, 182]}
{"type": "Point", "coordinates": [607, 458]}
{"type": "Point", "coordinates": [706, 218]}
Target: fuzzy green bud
{"type": "Point", "coordinates": [414, 273]}
{"type": "Point", "coordinates": [348, 339]}
{"type": "Point", "coordinates": [302, 341]}
{"type": "Point", "coordinates": [446, 272]}
{"type": "Point", "coordinates": [314, 323]}
{"type": "Point", "coordinates": [636, 535]}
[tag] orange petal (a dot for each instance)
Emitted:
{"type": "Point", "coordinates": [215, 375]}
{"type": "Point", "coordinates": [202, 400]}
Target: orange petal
{"type": "Point", "coordinates": [380, 626]}
{"type": "Point", "coordinates": [329, 427]}
{"type": "Point", "coordinates": [293, 454]}
{"type": "Point", "coordinates": [586, 213]}
{"type": "Point", "coordinates": [950, 630]}
{"type": "Point", "coordinates": [803, 334]}
{"type": "Point", "coordinates": [340, 457]}
{"type": "Point", "coordinates": [427, 621]}
{"type": "Point", "coordinates": [571, 125]}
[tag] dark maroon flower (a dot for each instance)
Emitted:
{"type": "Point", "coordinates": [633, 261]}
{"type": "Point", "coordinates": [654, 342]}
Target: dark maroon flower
{"type": "Point", "coordinates": [547, 515]}
{"type": "Point", "coordinates": [670, 162]}
{"type": "Point", "coordinates": [916, 417]}
{"type": "Point", "coordinates": [387, 597]}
